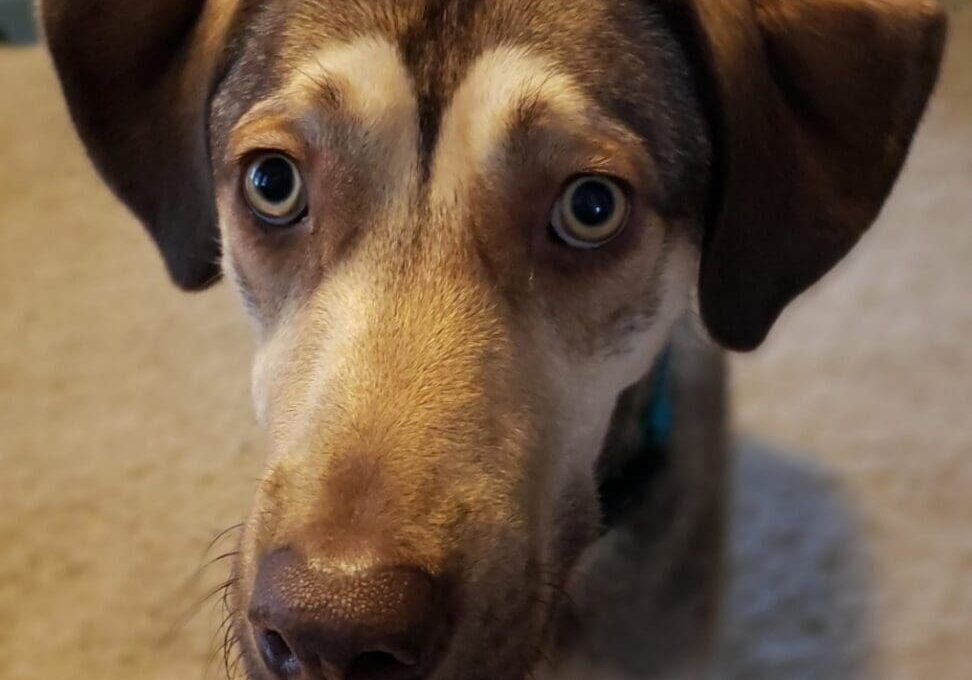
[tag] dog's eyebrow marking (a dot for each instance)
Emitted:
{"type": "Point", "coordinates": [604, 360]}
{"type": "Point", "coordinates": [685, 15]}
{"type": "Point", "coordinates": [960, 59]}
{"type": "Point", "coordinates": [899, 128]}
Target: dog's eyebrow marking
{"type": "Point", "coordinates": [500, 92]}
{"type": "Point", "coordinates": [365, 82]}
{"type": "Point", "coordinates": [366, 78]}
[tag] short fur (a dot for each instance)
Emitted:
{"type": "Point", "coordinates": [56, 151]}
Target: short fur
{"type": "Point", "coordinates": [438, 377]}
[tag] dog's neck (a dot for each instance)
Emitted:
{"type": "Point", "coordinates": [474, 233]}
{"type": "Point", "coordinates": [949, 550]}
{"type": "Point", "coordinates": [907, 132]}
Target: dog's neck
{"type": "Point", "coordinates": [638, 444]}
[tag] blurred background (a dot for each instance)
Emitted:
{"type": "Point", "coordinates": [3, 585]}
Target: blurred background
{"type": "Point", "coordinates": [127, 442]}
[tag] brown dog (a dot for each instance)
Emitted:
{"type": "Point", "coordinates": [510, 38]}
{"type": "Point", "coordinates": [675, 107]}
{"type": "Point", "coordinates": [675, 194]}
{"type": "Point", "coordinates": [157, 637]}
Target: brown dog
{"type": "Point", "coordinates": [464, 229]}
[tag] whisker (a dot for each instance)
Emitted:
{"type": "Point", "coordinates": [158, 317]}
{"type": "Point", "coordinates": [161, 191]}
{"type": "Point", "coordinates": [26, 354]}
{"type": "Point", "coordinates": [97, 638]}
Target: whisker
{"type": "Point", "coordinates": [222, 534]}
{"type": "Point", "coordinates": [227, 622]}
{"type": "Point", "coordinates": [192, 580]}
{"type": "Point", "coordinates": [180, 623]}
{"type": "Point", "coordinates": [229, 642]}
{"type": "Point", "coordinates": [224, 556]}
{"type": "Point", "coordinates": [190, 583]}
{"type": "Point", "coordinates": [237, 662]}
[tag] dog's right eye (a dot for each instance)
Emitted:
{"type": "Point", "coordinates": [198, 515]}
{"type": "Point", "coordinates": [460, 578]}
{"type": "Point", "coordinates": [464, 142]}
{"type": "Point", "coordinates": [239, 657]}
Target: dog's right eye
{"type": "Point", "coordinates": [274, 190]}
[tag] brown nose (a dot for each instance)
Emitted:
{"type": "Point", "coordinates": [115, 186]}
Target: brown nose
{"type": "Point", "coordinates": [341, 623]}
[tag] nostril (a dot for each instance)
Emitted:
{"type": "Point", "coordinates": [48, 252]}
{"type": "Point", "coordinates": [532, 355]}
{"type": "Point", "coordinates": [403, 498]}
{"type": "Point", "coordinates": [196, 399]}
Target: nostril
{"type": "Point", "coordinates": [379, 665]}
{"type": "Point", "coordinates": [278, 656]}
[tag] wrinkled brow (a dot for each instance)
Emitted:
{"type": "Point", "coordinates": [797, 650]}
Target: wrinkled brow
{"type": "Point", "coordinates": [286, 120]}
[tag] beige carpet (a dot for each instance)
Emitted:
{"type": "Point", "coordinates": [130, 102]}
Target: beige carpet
{"type": "Point", "coordinates": [126, 441]}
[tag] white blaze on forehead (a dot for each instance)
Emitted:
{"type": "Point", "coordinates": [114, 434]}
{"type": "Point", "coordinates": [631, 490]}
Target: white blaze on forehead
{"type": "Point", "coordinates": [377, 92]}
{"type": "Point", "coordinates": [373, 79]}
{"type": "Point", "coordinates": [477, 121]}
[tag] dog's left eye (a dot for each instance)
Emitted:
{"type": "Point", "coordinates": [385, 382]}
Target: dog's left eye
{"type": "Point", "coordinates": [592, 211]}
{"type": "Point", "coordinates": [274, 190]}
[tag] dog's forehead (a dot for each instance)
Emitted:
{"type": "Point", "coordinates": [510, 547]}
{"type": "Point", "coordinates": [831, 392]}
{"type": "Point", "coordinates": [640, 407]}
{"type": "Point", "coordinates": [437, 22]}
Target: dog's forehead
{"type": "Point", "coordinates": [438, 39]}
{"type": "Point", "coordinates": [621, 53]}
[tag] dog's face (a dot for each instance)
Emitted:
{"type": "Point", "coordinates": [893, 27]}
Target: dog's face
{"type": "Point", "coordinates": [462, 230]}
{"type": "Point", "coordinates": [475, 252]}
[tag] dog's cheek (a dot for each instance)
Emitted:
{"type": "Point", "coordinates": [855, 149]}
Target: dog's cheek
{"type": "Point", "coordinates": [266, 370]}
{"type": "Point", "coordinates": [585, 390]}
{"type": "Point", "coordinates": [276, 359]}
{"type": "Point", "coordinates": [260, 388]}
{"type": "Point", "coordinates": [584, 387]}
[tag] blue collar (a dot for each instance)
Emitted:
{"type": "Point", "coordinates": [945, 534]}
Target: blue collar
{"type": "Point", "coordinates": [624, 484]}
{"type": "Point", "coordinates": [658, 420]}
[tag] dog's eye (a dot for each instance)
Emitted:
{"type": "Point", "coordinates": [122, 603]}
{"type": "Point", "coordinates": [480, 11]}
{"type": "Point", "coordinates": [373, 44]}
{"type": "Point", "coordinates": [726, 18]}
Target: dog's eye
{"type": "Point", "coordinates": [275, 191]}
{"type": "Point", "coordinates": [591, 212]}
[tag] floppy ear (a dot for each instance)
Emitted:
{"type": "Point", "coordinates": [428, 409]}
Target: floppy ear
{"type": "Point", "coordinates": [815, 104]}
{"type": "Point", "coordinates": [137, 76]}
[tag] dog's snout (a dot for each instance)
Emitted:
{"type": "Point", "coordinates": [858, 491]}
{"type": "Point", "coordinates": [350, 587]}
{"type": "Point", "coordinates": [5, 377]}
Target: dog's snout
{"type": "Point", "coordinates": [320, 621]}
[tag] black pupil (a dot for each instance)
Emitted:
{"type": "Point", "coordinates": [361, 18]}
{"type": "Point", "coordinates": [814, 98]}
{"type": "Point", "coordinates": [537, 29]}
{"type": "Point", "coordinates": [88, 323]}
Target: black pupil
{"type": "Point", "coordinates": [592, 203]}
{"type": "Point", "coordinates": [274, 179]}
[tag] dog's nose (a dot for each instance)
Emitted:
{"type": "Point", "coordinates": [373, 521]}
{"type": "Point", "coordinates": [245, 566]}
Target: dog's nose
{"type": "Point", "coordinates": [326, 622]}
